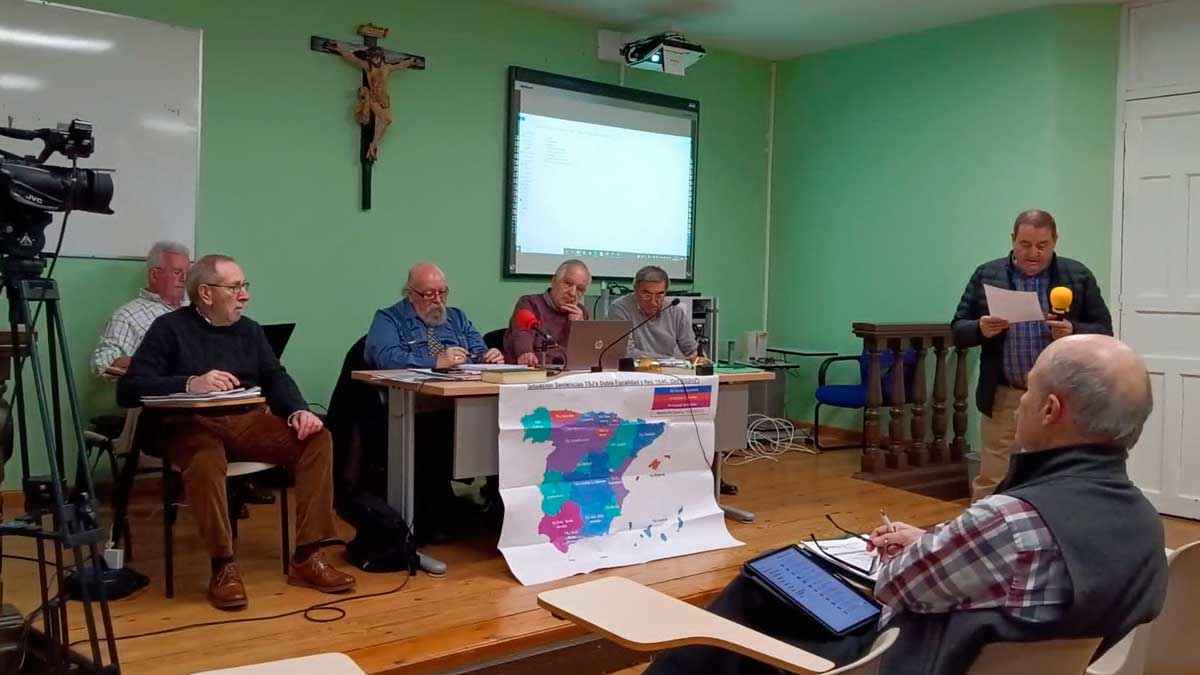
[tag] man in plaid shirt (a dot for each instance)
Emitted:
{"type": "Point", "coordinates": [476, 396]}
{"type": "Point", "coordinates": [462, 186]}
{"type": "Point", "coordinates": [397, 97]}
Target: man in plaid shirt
{"type": "Point", "coordinates": [166, 273]}
{"type": "Point", "coordinates": [1019, 565]}
{"type": "Point", "coordinates": [1009, 352]}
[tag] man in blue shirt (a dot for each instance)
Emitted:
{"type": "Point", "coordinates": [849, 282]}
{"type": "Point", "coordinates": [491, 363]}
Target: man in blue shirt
{"type": "Point", "coordinates": [421, 331]}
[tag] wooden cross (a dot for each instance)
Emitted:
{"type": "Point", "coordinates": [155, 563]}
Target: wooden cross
{"type": "Point", "coordinates": [374, 110]}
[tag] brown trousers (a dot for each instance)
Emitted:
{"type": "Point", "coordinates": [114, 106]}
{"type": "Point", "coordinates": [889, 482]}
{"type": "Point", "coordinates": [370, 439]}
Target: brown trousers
{"type": "Point", "coordinates": [202, 445]}
{"type": "Point", "coordinates": [999, 435]}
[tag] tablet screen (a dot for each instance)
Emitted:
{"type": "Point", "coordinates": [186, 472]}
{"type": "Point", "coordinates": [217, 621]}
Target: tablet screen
{"type": "Point", "coordinates": [825, 596]}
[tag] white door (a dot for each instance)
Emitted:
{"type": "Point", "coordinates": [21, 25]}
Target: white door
{"type": "Point", "coordinates": [1160, 291]}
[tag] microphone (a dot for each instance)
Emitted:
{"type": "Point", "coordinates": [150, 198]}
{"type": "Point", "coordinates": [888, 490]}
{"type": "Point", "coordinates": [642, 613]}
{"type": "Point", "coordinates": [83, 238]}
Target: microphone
{"type": "Point", "coordinates": [599, 367]}
{"type": "Point", "coordinates": [1060, 300]}
{"type": "Point", "coordinates": [528, 321]}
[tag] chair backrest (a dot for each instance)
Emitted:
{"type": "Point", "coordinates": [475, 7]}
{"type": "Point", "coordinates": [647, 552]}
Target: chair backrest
{"type": "Point", "coordinates": [494, 339]}
{"type": "Point", "coordinates": [886, 364]}
{"type": "Point", "coordinates": [1174, 649]}
{"type": "Point", "coordinates": [358, 421]}
{"type": "Point", "coordinates": [869, 663]}
{"type": "Point", "coordinates": [1045, 657]}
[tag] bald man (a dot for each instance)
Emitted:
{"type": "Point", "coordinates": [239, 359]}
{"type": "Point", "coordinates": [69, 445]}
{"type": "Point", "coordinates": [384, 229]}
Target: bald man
{"type": "Point", "coordinates": [1067, 546]}
{"type": "Point", "coordinates": [422, 331]}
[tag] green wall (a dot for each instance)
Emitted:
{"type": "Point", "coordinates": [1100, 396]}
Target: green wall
{"type": "Point", "coordinates": [279, 171]}
{"type": "Point", "coordinates": [900, 165]}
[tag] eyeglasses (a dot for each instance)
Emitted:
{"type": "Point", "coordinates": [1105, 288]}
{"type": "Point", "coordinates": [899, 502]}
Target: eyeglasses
{"type": "Point", "coordinates": [646, 295]}
{"type": "Point", "coordinates": [432, 295]}
{"type": "Point", "coordinates": [891, 550]}
{"type": "Point", "coordinates": [236, 288]}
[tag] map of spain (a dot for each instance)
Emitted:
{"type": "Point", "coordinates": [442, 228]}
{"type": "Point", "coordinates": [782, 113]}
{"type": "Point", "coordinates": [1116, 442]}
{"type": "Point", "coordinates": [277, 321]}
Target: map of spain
{"type": "Point", "coordinates": [582, 489]}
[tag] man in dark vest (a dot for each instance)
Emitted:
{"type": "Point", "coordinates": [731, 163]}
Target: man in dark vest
{"type": "Point", "coordinates": [1067, 547]}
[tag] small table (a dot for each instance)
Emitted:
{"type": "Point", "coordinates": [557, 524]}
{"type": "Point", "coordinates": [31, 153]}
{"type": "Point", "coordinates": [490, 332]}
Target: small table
{"type": "Point", "coordinates": [771, 399]}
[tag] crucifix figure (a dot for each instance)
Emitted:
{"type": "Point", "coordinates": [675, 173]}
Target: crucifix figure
{"type": "Point", "coordinates": [374, 109]}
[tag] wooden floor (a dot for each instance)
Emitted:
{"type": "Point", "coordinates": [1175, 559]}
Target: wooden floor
{"type": "Point", "coordinates": [479, 612]}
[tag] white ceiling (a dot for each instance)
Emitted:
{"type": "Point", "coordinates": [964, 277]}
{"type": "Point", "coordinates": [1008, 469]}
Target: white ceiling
{"type": "Point", "coordinates": [781, 29]}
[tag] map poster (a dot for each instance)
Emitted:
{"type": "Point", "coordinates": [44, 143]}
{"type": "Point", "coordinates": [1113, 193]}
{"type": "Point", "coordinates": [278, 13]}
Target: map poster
{"type": "Point", "coordinates": [607, 469]}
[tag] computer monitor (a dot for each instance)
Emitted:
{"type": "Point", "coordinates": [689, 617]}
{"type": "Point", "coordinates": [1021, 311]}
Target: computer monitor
{"type": "Point", "coordinates": [278, 335]}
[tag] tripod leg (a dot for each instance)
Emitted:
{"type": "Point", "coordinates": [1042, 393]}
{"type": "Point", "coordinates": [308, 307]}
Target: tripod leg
{"type": "Point", "coordinates": [86, 591]}
{"type": "Point", "coordinates": [105, 614]}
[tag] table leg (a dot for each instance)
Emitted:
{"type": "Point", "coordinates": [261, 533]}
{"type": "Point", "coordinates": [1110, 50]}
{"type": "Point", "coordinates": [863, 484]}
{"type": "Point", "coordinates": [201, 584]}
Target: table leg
{"type": "Point", "coordinates": [733, 405]}
{"type": "Point", "coordinates": [401, 464]}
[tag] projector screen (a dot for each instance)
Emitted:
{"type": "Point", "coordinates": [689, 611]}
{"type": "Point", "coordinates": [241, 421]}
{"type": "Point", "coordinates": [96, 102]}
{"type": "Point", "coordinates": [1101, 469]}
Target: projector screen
{"type": "Point", "coordinates": [601, 173]}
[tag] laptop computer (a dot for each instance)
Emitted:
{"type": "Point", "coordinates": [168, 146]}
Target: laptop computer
{"type": "Point", "coordinates": [589, 338]}
{"type": "Point", "coordinates": [278, 335]}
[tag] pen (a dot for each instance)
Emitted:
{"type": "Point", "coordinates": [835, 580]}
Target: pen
{"type": "Point", "coordinates": [887, 521]}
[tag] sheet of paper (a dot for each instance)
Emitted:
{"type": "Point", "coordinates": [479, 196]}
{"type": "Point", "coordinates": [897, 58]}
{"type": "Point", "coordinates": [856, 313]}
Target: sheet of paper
{"type": "Point", "coordinates": [1016, 306]}
{"type": "Point", "coordinates": [850, 550]}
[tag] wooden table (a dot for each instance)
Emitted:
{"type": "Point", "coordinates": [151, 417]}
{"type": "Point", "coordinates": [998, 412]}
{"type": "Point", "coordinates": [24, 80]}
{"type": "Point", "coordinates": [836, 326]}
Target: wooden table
{"type": "Point", "coordinates": [477, 423]}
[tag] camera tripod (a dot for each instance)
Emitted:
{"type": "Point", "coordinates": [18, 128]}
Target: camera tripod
{"type": "Point", "coordinates": [73, 515]}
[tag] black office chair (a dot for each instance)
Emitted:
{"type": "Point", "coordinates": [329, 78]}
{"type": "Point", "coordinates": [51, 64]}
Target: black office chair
{"type": "Point", "coordinates": [358, 421]}
{"type": "Point", "coordinates": [494, 339]}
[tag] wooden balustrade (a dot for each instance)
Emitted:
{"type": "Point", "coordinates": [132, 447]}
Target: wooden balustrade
{"type": "Point", "coordinates": [922, 441]}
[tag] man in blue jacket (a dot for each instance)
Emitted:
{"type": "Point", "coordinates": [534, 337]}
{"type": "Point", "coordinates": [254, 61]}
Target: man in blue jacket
{"type": "Point", "coordinates": [422, 331]}
{"type": "Point", "coordinates": [1009, 351]}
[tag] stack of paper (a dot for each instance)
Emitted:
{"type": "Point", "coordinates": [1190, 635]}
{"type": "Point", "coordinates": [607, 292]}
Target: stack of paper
{"type": "Point", "coordinates": [184, 397]}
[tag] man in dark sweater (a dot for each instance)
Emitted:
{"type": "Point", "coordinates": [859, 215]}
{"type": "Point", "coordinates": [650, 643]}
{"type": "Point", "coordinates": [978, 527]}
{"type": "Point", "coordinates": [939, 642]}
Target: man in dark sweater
{"type": "Point", "coordinates": [555, 309]}
{"type": "Point", "coordinates": [1009, 352]}
{"type": "Point", "coordinates": [1042, 558]}
{"type": "Point", "coordinates": [208, 347]}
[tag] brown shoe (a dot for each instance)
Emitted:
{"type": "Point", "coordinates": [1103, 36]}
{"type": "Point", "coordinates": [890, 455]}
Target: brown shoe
{"type": "Point", "coordinates": [319, 574]}
{"type": "Point", "coordinates": [225, 589]}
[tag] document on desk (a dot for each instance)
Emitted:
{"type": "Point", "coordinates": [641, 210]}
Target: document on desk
{"type": "Point", "coordinates": [1015, 306]}
{"type": "Point", "coordinates": [607, 469]}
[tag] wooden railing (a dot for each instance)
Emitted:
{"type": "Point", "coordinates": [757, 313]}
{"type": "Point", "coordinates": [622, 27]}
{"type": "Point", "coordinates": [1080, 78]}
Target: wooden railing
{"type": "Point", "coordinates": [920, 442]}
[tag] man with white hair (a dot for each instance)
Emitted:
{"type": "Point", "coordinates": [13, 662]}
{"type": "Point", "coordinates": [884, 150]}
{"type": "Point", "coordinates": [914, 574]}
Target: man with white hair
{"type": "Point", "coordinates": [1066, 547]}
{"type": "Point", "coordinates": [555, 309]}
{"type": "Point", "coordinates": [422, 331]}
{"type": "Point", "coordinates": [210, 346]}
{"type": "Point", "coordinates": [166, 276]}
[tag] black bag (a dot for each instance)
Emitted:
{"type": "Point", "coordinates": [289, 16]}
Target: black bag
{"type": "Point", "coordinates": [382, 542]}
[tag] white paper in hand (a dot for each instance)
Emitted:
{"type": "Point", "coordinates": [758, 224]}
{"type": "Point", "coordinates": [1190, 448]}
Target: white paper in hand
{"type": "Point", "coordinates": [1014, 306]}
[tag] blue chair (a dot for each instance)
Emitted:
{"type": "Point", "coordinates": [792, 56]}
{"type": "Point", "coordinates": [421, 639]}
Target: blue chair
{"type": "Point", "coordinates": [855, 395]}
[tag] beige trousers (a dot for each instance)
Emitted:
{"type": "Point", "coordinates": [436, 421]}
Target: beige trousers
{"type": "Point", "coordinates": [999, 441]}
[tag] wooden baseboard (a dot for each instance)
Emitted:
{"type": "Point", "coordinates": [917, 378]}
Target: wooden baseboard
{"type": "Point", "coordinates": [143, 486]}
{"type": "Point", "coordinates": [947, 482]}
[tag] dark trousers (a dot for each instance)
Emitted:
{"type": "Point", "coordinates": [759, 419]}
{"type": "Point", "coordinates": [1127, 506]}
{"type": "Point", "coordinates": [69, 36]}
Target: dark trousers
{"type": "Point", "coordinates": [747, 603]}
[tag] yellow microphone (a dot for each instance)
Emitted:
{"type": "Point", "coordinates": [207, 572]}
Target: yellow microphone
{"type": "Point", "coordinates": [1060, 300]}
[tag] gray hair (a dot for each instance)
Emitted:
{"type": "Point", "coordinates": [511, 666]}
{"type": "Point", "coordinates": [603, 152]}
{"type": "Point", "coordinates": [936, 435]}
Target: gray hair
{"type": "Point", "coordinates": [203, 271]}
{"type": "Point", "coordinates": [160, 249]}
{"type": "Point", "coordinates": [1103, 407]}
{"type": "Point", "coordinates": [566, 266]}
{"type": "Point", "coordinates": [653, 274]}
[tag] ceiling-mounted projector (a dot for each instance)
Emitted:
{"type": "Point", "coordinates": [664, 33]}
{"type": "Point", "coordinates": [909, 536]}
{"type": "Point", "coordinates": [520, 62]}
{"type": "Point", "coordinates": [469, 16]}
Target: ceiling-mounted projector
{"type": "Point", "coordinates": [664, 53]}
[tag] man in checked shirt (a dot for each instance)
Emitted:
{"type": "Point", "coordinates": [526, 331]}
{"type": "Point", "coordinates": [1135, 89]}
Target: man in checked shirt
{"type": "Point", "coordinates": [1067, 546]}
{"type": "Point", "coordinates": [166, 275]}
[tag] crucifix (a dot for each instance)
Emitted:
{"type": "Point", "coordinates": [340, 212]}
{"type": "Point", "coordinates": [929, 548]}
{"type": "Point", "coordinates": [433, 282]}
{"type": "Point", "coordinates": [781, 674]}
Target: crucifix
{"type": "Point", "coordinates": [374, 109]}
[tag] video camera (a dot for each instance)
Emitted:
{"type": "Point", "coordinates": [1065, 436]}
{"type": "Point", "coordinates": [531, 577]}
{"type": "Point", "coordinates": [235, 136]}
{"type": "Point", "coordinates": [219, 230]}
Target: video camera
{"type": "Point", "coordinates": [30, 190]}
